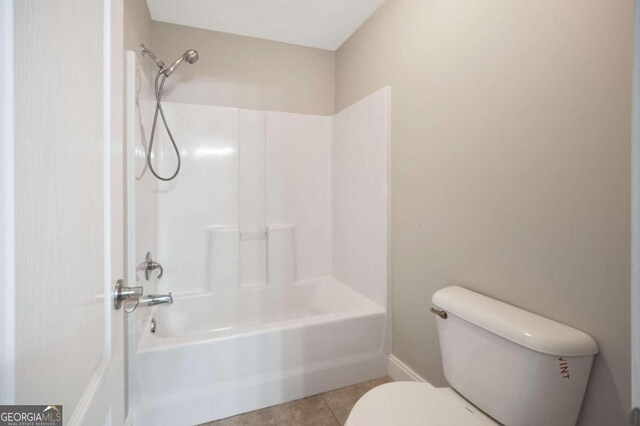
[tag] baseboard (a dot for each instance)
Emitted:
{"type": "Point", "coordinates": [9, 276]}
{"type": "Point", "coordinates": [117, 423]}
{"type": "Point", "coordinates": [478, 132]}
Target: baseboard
{"type": "Point", "coordinates": [129, 420]}
{"type": "Point", "coordinates": [399, 371]}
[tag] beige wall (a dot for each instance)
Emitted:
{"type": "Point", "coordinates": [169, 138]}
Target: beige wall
{"type": "Point", "coordinates": [246, 72]}
{"type": "Point", "coordinates": [137, 28]}
{"type": "Point", "coordinates": [510, 166]}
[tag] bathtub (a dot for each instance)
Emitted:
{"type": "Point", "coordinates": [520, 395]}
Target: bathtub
{"type": "Point", "coordinates": [217, 355]}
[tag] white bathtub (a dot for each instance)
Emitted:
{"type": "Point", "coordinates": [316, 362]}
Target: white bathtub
{"type": "Point", "coordinates": [217, 355]}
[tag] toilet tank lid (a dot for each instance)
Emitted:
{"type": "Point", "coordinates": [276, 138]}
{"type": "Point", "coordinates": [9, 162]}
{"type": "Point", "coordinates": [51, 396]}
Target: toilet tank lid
{"type": "Point", "coordinates": [525, 328]}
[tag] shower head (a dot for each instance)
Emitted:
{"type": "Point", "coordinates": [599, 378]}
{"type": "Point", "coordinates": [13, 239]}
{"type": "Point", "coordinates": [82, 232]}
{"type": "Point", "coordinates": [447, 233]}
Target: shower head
{"type": "Point", "coordinates": [191, 56]}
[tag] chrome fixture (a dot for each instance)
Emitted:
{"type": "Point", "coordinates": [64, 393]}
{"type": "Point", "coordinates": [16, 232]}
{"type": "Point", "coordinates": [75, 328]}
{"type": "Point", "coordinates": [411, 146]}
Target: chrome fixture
{"type": "Point", "coordinates": [152, 326]}
{"type": "Point", "coordinates": [158, 62]}
{"type": "Point", "coordinates": [149, 265]}
{"type": "Point", "coordinates": [438, 312]}
{"type": "Point", "coordinates": [191, 56]}
{"type": "Point", "coordinates": [122, 293]}
{"type": "Point", "coordinates": [156, 299]}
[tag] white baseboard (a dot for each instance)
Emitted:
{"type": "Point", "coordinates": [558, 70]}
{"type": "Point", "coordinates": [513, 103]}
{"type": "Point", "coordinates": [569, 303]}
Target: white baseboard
{"type": "Point", "coordinates": [399, 371]}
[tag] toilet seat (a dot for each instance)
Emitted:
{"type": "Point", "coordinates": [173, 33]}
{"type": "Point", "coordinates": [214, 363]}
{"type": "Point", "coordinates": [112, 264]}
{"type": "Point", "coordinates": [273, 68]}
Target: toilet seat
{"type": "Point", "coordinates": [415, 404]}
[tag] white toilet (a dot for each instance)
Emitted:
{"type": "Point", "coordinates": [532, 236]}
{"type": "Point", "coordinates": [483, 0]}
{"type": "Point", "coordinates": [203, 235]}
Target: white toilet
{"type": "Point", "coordinates": [504, 364]}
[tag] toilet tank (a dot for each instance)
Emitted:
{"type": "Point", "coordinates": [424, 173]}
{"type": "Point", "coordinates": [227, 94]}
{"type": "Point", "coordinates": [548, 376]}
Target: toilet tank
{"type": "Point", "coordinates": [518, 367]}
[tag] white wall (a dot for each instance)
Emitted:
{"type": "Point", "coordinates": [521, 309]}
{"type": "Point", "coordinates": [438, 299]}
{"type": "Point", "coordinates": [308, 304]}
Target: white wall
{"type": "Point", "coordinates": [7, 207]}
{"type": "Point", "coordinates": [243, 171]}
{"type": "Point", "coordinates": [141, 210]}
{"type": "Point", "coordinates": [143, 199]}
{"type": "Point", "coordinates": [253, 208]}
{"type": "Point", "coordinates": [299, 186]}
{"type": "Point", "coordinates": [60, 234]}
{"type": "Point", "coordinates": [204, 194]}
{"type": "Point", "coordinates": [273, 166]}
{"type": "Point", "coordinates": [360, 193]}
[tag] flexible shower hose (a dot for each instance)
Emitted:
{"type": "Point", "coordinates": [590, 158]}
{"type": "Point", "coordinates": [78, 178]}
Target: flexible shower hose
{"type": "Point", "coordinates": [161, 76]}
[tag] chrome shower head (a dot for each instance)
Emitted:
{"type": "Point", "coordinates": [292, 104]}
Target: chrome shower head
{"type": "Point", "coordinates": [191, 56]}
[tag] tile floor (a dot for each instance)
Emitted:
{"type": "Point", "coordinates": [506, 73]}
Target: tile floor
{"type": "Point", "coordinates": [327, 409]}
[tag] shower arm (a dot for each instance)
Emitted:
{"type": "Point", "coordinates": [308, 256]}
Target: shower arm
{"type": "Point", "coordinates": [158, 62]}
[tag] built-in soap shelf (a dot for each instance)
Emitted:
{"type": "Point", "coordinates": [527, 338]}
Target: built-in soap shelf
{"type": "Point", "coordinates": [244, 236]}
{"type": "Point", "coordinates": [251, 259]}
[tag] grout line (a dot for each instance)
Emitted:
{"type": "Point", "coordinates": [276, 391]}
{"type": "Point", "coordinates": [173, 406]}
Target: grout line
{"type": "Point", "coordinates": [269, 411]}
{"type": "Point", "coordinates": [275, 422]}
{"type": "Point", "coordinates": [330, 409]}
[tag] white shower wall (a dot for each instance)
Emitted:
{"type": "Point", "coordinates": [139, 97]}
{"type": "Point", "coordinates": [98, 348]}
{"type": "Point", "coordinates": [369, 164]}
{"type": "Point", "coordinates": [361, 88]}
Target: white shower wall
{"type": "Point", "coordinates": [142, 210]}
{"type": "Point", "coordinates": [141, 187]}
{"type": "Point", "coordinates": [299, 186]}
{"type": "Point", "coordinates": [142, 200]}
{"type": "Point", "coordinates": [315, 183]}
{"type": "Point", "coordinates": [360, 192]}
{"type": "Point", "coordinates": [253, 221]}
{"type": "Point", "coordinates": [203, 195]}
{"type": "Point", "coordinates": [241, 172]}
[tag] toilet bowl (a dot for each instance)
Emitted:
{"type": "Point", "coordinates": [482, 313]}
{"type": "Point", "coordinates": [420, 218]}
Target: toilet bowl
{"type": "Point", "coordinates": [415, 404]}
{"type": "Point", "coordinates": [505, 365]}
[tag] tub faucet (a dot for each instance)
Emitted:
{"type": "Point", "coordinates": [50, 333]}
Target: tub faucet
{"type": "Point", "coordinates": [155, 299]}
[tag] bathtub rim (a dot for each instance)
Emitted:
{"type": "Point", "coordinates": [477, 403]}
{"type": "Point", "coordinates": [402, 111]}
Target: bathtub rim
{"type": "Point", "coordinates": [363, 307]}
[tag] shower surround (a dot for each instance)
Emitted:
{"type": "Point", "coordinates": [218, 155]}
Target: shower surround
{"type": "Point", "coordinates": [273, 239]}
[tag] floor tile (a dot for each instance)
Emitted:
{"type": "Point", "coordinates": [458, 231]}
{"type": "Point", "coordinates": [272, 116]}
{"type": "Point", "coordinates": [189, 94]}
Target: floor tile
{"type": "Point", "coordinates": [254, 418]}
{"type": "Point", "coordinates": [328, 409]}
{"type": "Point", "coordinates": [341, 401]}
{"type": "Point", "coordinates": [311, 411]}
{"type": "Point", "coordinates": [380, 381]}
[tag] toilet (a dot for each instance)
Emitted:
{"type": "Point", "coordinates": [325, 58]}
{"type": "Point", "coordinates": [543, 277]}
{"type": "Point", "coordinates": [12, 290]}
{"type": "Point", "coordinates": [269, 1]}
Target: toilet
{"type": "Point", "coordinates": [505, 365]}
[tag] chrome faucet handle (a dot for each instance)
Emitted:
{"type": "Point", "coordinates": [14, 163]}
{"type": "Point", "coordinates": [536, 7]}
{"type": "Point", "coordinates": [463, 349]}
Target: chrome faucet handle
{"type": "Point", "coordinates": [154, 266]}
{"type": "Point", "coordinates": [150, 265]}
{"type": "Point", "coordinates": [121, 293]}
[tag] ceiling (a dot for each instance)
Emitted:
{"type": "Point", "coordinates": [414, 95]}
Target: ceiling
{"type": "Point", "coordinates": [324, 24]}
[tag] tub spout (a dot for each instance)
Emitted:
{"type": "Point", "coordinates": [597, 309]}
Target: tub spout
{"type": "Point", "coordinates": [156, 299]}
